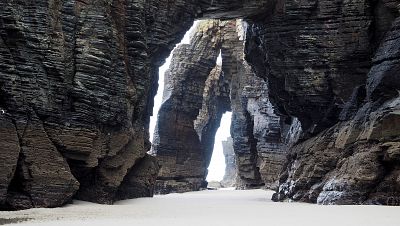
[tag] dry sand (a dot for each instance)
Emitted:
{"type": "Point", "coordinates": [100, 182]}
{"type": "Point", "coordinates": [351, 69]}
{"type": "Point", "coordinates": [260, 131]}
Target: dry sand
{"type": "Point", "coordinates": [208, 208]}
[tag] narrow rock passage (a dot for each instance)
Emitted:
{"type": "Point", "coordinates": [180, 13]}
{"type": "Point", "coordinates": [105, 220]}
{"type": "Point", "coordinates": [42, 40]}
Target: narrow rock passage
{"type": "Point", "coordinates": [222, 207]}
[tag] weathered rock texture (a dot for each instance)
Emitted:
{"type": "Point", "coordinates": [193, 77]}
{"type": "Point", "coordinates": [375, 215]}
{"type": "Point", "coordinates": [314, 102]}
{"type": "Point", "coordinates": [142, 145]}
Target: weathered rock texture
{"type": "Point", "coordinates": [186, 127]}
{"type": "Point", "coordinates": [356, 161]}
{"type": "Point", "coordinates": [229, 179]}
{"type": "Point", "coordinates": [258, 144]}
{"type": "Point", "coordinates": [77, 80]}
{"type": "Point", "coordinates": [140, 180]}
{"type": "Point", "coordinates": [9, 146]}
{"type": "Point", "coordinates": [244, 143]}
{"type": "Point", "coordinates": [269, 130]}
{"type": "Point", "coordinates": [316, 57]}
{"type": "Point", "coordinates": [76, 90]}
{"type": "Point", "coordinates": [259, 135]}
{"type": "Point", "coordinates": [306, 50]}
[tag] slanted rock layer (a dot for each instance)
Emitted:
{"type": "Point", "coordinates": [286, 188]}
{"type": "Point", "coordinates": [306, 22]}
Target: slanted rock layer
{"type": "Point", "coordinates": [354, 161]}
{"type": "Point", "coordinates": [307, 51]}
{"type": "Point", "coordinates": [77, 79]}
{"type": "Point", "coordinates": [179, 148]}
{"type": "Point", "coordinates": [257, 140]}
{"type": "Point", "coordinates": [316, 57]}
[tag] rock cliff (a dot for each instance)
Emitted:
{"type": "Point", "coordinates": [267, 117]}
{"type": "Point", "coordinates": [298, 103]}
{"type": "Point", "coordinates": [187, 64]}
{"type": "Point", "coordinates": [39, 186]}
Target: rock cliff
{"type": "Point", "coordinates": [77, 79]}
{"type": "Point", "coordinates": [258, 141]}
{"type": "Point", "coordinates": [259, 134]}
{"type": "Point", "coordinates": [306, 50]}
{"type": "Point", "coordinates": [193, 104]}
{"type": "Point", "coordinates": [316, 57]}
{"type": "Point", "coordinates": [354, 162]}
{"type": "Point", "coordinates": [76, 99]}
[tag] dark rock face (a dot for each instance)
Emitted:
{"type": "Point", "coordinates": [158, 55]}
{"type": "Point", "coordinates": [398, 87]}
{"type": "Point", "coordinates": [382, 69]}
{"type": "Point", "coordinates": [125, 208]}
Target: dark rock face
{"type": "Point", "coordinates": [229, 179]}
{"type": "Point", "coordinates": [81, 76]}
{"type": "Point", "coordinates": [306, 50]}
{"type": "Point", "coordinates": [354, 162]}
{"type": "Point", "coordinates": [75, 97]}
{"type": "Point", "coordinates": [77, 81]}
{"type": "Point", "coordinates": [259, 138]}
{"type": "Point", "coordinates": [244, 142]}
{"type": "Point", "coordinates": [140, 180]}
{"type": "Point", "coordinates": [186, 127]}
{"type": "Point", "coordinates": [47, 183]}
{"type": "Point", "coordinates": [259, 144]}
{"type": "Point", "coordinates": [9, 146]}
{"type": "Point", "coordinates": [268, 131]}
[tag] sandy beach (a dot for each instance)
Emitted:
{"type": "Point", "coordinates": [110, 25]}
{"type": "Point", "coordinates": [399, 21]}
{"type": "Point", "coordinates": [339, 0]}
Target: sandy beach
{"type": "Point", "coordinates": [220, 207]}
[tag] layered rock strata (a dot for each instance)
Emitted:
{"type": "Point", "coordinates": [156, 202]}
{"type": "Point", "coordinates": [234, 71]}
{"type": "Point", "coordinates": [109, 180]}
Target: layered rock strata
{"type": "Point", "coordinates": [79, 78]}
{"type": "Point", "coordinates": [258, 143]}
{"type": "Point", "coordinates": [355, 161]}
{"type": "Point", "coordinates": [259, 134]}
{"type": "Point", "coordinates": [140, 180]}
{"type": "Point", "coordinates": [244, 143]}
{"type": "Point", "coordinates": [230, 175]}
{"type": "Point", "coordinates": [196, 97]}
{"type": "Point", "coordinates": [75, 97]}
{"type": "Point", "coordinates": [307, 51]}
{"type": "Point", "coordinates": [270, 132]}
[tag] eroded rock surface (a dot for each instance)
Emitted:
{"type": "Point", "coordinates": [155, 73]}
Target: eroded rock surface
{"type": "Point", "coordinates": [86, 71]}
{"type": "Point", "coordinates": [229, 179]}
{"type": "Point", "coordinates": [140, 180]}
{"type": "Point", "coordinates": [355, 161]}
{"type": "Point", "coordinates": [259, 134]}
{"type": "Point", "coordinates": [306, 50]}
{"type": "Point", "coordinates": [179, 146]}
{"type": "Point", "coordinates": [9, 146]}
{"type": "Point", "coordinates": [77, 79]}
{"type": "Point", "coordinates": [257, 140]}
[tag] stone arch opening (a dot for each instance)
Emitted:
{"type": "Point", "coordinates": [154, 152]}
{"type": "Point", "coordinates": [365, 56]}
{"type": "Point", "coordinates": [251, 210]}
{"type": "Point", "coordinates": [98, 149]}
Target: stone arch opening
{"type": "Point", "coordinates": [198, 91]}
{"type": "Point", "coordinates": [78, 78]}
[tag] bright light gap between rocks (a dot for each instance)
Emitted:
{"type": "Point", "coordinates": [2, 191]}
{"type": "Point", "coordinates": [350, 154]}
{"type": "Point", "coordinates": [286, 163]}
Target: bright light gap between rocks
{"type": "Point", "coordinates": [216, 169]}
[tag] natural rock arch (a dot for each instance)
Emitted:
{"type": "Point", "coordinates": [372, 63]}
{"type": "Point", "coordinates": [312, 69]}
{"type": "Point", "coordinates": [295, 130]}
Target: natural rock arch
{"type": "Point", "coordinates": [83, 75]}
{"type": "Point", "coordinates": [77, 80]}
{"type": "Point", "coordinates": [197, 93]}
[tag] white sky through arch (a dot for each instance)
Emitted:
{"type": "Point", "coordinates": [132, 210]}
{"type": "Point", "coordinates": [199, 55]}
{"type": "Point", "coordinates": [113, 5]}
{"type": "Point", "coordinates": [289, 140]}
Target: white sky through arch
{"type": "Point", "coordinates": [216, 169]}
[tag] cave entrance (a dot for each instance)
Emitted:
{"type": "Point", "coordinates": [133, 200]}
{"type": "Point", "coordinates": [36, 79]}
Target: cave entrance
{"type": "Point", "coordinates": [217, 167]}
